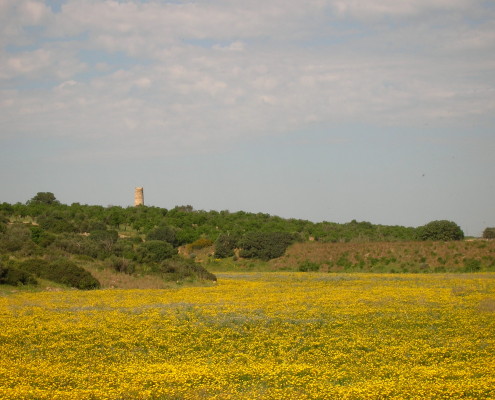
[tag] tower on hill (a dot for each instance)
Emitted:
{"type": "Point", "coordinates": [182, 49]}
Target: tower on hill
{"type": "Point", "coordinates": [138, 197]}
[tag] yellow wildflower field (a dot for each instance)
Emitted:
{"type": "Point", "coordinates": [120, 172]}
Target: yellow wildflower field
{"type": "Point", "coordinates": [256, 336]}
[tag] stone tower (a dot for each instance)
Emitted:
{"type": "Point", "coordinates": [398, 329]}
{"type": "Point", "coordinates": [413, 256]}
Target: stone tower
{"type": "Point", "coordinates": [138, 197]}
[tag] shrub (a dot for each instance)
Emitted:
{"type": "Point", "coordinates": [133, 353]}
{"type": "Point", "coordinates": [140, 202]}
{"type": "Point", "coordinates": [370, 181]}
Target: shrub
{"type": "Point", "coordinates": [41, 237]}
{"type": "Point", "coordinates": [120, 264]}
{"type": "Point", "coordinates": [186, 235]}
{"type": "Point", "coordinates": [15, 277]}
{"type": "Point", "coordinates": [35, 266]}
{"type": "Point", "coordinates": [489, 233]}
{"type": "Point", "coordinates": [180, 268]}
{"type": "Point", "coordinates": [164, 233]}
{"type": "Point", "coordinates": [471, 265]}
{"type": "Point", "coordinates": [103, 235]}
{"type": "Point", "coordinates": [440, 230]}
{"type": "Point", "coordinates": [265, 245]}
{"type": "Point", "coordinates": [155, 251]}
{"type": "Point", "coordinates": [78, 244]}
{"type": "Point", "coordinates": [17, 237]}
{"type": "Point", "coordinates": [61, 271]}
{"type": "Point", "coordinates": [307, 266]}
{"type": "Point", "coordinates": [225, 245]}
{"type": "Point", "coordinates": [56, 224]}
{"type": "Point", "coordinates": [106, 240]}
{"type": "Point", "coordinates": [66, 272]}
{"type": "Point", "coordinates": [200, 243]}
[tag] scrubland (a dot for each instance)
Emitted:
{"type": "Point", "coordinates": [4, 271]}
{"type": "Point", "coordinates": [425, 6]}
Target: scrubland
{"type": "Point", "coordinates": [426, 256]}
{"type": "Point", "coordinates": [281, 335]}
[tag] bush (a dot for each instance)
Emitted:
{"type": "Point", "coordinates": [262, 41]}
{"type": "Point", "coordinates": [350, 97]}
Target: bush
{"type": "Point", "coordinates": [164, 233]}
{"type": "Point", "coordinates": [15, 277]}
{"type": "Point", "coordinates": [35, 266]}
{"type": "Point", "coordinates": [17, 237]}
{"type": "Point", "coordinates": [471, 265]}
{"type": "Point", "coordinates": [186, 235]}
{"type": "Point", "coordinates": [440, 230]}
{"type": "Point", "coordinates": [200, 243]}
{"type": "Point", "coordinates": [308, 266]}
{"type": "Point", "coordinates": [61, 271]}
{"type": "Point", "coordinates": [40, 237]}
{"type": "Point", "coordinates": [180, 268]}
{"type": "Point", "coordinates": [56, 224]}
{"type": "Point", "coordinates": [103, 235]}
{"type": "Point", "coordinates": [78, 244]}
{"type": "Point", "coordinates": [66, 272]}
{"type": "Point", "coordinates": [225, 245]}
{"type": "Point", "coordinates": [265, 245]}
{"type": "Point", "coordinates": [155, 251]}
{"type": "Point", "coordinates": [489, 233]}
{"type": "Point", "coordinates": [106, 240]}
{"type": "Point", "coordinates": [120, 264]}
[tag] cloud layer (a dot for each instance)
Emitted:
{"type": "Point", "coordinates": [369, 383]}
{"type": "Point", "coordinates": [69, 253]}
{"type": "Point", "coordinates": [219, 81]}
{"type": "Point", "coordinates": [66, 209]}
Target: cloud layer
{"type": "Point", "coordinates": [193, 76]}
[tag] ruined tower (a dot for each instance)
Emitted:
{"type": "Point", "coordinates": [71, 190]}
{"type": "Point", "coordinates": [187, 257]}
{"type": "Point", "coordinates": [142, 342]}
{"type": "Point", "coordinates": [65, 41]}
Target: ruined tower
{"type": "Point", "coordinates": [138, 197]}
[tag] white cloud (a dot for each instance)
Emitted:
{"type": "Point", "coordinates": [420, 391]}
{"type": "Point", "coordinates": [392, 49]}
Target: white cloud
{"type": "Point", "coordinates": [33, 13]}
{"type": "Point", "coordinates": [203, 75]}
{"type": "Point", "coordinates": [364, 9]}
{"type": "Point", "coordinates": [40, 63]}
{"type": "Point", "coordinates": [234, 46]}
{"type": "Point", "coordinates": [66, 84]}
{"type": "Point", "coordinates": [143, 82]}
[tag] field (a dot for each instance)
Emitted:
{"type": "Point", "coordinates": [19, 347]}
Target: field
{"type": "Point", "coordinates": [280, 335]}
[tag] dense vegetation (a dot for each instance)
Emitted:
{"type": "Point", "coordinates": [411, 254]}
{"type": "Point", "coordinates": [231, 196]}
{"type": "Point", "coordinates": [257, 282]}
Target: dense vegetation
{"type": "Point", "coordinates": [146, 240]}
{"type": "Point", "coordinates": [489, 233]}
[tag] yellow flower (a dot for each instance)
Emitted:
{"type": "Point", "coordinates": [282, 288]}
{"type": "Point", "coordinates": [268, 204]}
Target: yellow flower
{"type": "Point", "coordinates": [255, 336]}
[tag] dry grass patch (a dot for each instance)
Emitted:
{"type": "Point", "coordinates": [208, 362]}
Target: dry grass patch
{"type": "Point", "coordinates": [111, 279]}
{"type": "Point", "coordinates": [385, 256]}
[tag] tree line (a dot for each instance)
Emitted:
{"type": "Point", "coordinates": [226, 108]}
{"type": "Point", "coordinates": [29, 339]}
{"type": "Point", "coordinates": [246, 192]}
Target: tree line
{"type": "Point", "coordinates": [146, 239]}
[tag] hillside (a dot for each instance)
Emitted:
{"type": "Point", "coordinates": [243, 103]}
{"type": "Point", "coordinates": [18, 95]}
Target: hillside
{"type": "Point", "coordinates": [88, 246]}
{"type": "Point", "coordinates": [454, 256]}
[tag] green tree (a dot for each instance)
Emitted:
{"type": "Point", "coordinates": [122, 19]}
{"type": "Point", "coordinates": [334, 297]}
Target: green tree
{"type": "Point", "coordinates": [440, 230]}
{"type": "Point", "coordinates": [61, 271]}
{"type": "Point", "coordinates": [489, 233]}
{"type": "Point", "coordinates": [178, 268]}
{"type": "Point", "coordinates": [155, 251]}
{"type": "Point", "coordinates": [106, 239]}
{"type": "Point", "coordinates": [56, 223]}
{"type": "Point", "coordinates": [17, 237]}
{"type": "Point", "coordinates": [78, 244]}
{"type": "Point", "coordinates": [41, 237]}
{"type": "Point", "coordinates": [44, 198]}
{"type": "Point", "coordinates": [12, 276]}
{"type": "Point", "coordinates": [225, 245]}
{"type": "Point", "coordinates": [265, 245]}
{"type": "Point", "coordinates": [68, 273]}
{"type": "Point", "coordinates": [164, 233]}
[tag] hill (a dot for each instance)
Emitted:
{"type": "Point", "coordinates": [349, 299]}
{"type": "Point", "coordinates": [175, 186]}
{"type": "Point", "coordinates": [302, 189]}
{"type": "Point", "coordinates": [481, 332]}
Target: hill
{"type": "Point", "coordinates": [145, 242]}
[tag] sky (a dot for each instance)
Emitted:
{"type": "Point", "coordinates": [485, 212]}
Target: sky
{"type": "Point", "coordinates": [326, 110]}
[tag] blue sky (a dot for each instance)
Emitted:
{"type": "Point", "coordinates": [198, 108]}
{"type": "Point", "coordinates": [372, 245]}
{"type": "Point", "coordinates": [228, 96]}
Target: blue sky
{"type": "Point", "coordinates": [331, 110]}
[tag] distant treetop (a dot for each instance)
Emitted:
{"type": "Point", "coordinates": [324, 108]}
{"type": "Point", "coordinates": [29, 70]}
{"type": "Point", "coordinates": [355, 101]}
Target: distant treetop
{"type": "Point", "coordinates": [440, 230]}
{"type": "Point", "coordinates": [489, 233]}
{"type": "Point", "coordinates": [44, 198]}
